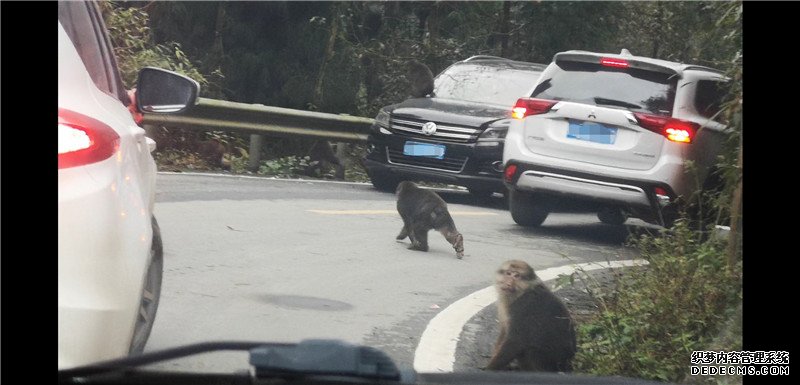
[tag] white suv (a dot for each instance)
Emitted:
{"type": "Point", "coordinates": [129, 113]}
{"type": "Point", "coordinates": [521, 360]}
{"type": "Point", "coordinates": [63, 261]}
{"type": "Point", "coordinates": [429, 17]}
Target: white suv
{"type": "Point", "coordinates": [610, 134]}
{"type": "Point", "coordinates": [109, 244]}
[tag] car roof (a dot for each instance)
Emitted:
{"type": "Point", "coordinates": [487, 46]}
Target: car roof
{"type": "Point", "coordinates": [496, 61]}
{"type": "Point", "coordinates": [676, 67]}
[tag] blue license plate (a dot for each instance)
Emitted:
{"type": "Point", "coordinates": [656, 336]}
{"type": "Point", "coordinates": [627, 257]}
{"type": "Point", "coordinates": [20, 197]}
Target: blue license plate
{"type": "Point", "coordinates": [592, 132]}
{"type": "Point", "coordinates": [424, 149]}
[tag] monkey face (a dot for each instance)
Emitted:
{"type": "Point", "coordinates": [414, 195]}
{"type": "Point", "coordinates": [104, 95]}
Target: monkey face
{"type": "Point", "coordinates": [514, 277]}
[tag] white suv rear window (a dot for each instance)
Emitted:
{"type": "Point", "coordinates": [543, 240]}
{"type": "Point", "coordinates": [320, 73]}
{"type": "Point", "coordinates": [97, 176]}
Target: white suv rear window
{"type": "Point", "coordinates": [630, 88]}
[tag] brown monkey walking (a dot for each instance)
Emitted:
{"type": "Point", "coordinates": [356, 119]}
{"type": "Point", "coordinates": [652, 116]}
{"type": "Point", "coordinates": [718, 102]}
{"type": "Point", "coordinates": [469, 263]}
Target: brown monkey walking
{"type": "Point", "coordinates": [535, 326]}
{"type": "Point", "coordinates": [423, 210]}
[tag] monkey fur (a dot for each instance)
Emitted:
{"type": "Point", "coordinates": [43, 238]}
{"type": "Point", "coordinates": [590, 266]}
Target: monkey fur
{"type": "Point", "coordinates": [423, 210]}
{"type": "Point", "coordinates": [421, 79]}
{"type": "Point", "coordinates": [535, 327]}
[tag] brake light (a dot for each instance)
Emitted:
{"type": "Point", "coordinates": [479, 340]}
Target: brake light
{"type": "Point", "coordinates": [675, 130]}
{"type": "Point", "coordinates": [530, 106]}
{"type": "Point", "coordinates": [508, 175]}
{"type": "Point", "coordinates": [616, 63]}
{"type": "Point", "coordinates": [83, 140]}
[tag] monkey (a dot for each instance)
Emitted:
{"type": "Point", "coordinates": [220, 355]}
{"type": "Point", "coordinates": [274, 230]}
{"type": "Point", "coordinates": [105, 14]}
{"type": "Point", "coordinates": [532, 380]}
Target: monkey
{"type": "Point", "coordinates": [423, 210]}
{"type": "Point", "coordinates": [535, 326]}
{"type": "Point", "coordinates": [214, 152]}
{"type": "Point", "coordinates": [322, 155]}
{"type": "Point", "coordinates": [421, 79]}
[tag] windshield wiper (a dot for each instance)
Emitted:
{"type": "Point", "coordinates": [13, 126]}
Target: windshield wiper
{"type": "Point", "coordinates": [614, 102]}
{"type": "Point", "coordinates": [309, 358]}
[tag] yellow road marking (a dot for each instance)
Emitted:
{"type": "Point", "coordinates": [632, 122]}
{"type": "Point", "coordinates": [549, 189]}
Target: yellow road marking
{"type": "Point", "coordinates": [367, 212]}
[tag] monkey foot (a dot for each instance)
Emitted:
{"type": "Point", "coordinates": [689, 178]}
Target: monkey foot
{"type": "Point", "coordinates": [418, 248]}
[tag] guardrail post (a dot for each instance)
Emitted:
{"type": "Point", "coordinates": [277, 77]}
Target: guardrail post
{"type": "Point", "coordinates": [255, 152]}
{"type": "Point", "coordinates": [150, 131]}
{"type": "Point", "coordinates": [341, 154]}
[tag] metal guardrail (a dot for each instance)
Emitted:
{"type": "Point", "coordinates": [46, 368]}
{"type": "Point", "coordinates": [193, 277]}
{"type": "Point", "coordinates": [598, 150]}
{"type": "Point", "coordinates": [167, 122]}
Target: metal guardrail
{"type": "Point", "coordinates": [212, 114]}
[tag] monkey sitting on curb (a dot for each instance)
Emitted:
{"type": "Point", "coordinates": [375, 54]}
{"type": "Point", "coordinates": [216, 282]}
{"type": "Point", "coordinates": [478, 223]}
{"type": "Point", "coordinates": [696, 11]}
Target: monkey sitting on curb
{"type": "Point", "coordinates": [423, 210]}
{"type": "Point", "coordinates": [535, 326]}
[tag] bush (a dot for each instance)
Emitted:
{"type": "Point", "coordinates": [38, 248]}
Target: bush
{"type": "Point", "coordinates": [657, 316]}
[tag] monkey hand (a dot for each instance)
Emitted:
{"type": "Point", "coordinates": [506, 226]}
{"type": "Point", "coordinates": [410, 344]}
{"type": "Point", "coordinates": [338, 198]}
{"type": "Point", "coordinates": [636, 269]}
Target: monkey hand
{"type": "Point", "coordinates": [458, 245]}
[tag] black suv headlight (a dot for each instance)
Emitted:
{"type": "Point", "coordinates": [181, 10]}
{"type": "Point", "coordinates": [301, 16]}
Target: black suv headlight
{"type": "Point", "coordinates": [382, 122]}
{"type": "Point", "coordinates": [494, 134]}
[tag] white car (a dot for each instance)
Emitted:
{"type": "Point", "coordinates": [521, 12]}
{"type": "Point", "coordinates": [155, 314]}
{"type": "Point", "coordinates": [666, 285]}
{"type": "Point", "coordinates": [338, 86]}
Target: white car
{"type": "Point", "coordinates": [109, 246]}
{"type": "Point", "coordinates": [611, 133]}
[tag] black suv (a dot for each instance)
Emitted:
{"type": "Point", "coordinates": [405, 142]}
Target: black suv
{"type": "Point", "coordinates": [455, 134]}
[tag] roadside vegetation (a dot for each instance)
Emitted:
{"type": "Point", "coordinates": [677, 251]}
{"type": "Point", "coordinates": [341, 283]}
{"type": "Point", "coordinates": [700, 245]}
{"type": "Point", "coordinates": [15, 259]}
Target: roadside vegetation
{"type": "Point", "coordinates": [688, 298]}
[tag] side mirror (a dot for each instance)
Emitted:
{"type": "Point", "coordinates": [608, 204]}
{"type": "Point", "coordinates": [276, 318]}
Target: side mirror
{"type": "Point", "coordinates": [162, 91]}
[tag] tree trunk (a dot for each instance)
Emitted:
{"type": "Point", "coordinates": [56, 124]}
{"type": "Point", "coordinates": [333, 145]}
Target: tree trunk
{"type": "Point", "coordinates": [505, 17]}
{"type": "Point", "coordinates": [318, 88]}
{"type": "Point", "coordinates": [217, 48]}
{"type": "Point", "coordinates": [658, 31]}
{"type": "Point", "coordinates": [328, 55]}
{"type": "Point", "coordinates": [432, 25]}
{"type": "Point", "coordinates": [735, 233]}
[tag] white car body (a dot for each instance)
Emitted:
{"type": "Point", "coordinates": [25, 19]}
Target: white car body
{"type": "Point", "coordinates": [104, 224]}
{"type": "Point", "coordinates": [638, 170]}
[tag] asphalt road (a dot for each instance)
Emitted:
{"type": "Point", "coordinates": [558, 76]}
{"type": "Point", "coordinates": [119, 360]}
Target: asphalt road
{"type": "Point", "coordinates": [255, 259]}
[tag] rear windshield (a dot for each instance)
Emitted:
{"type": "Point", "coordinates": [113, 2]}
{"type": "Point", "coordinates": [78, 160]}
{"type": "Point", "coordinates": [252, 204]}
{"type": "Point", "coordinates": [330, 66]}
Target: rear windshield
{"type": "Point", "coordinates": [629, 88]}
{"type": "Point", "coordinates": [485, 84]}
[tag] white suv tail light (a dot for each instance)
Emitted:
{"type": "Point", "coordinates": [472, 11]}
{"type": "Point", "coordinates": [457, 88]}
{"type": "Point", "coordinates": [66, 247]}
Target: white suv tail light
{"type": "Point", "coordinates": [83, 140]}
{"type": "Point", "coordinates": [530, 106]}
{"type": "Point", "coordinates": [673, 129]}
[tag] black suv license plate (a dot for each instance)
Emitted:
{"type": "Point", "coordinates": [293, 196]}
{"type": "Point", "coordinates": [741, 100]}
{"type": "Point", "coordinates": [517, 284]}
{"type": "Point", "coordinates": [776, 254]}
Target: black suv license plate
{"type": "Point", "coordinates": [424, 149]}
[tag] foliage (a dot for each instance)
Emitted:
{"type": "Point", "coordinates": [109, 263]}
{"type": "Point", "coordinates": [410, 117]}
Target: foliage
{"type": "Point", "coordinates": [657, 316]}
{"type": "Point", "coordinates": [273, 52]}
{"type": "Point", "coordinates": [135, 49]}
{"type": "Point", "coordinates": [285, 167]}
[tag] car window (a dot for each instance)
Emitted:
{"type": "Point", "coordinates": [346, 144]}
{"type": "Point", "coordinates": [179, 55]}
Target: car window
{"type": "Point", "coordinates": [85, 27]}
{"type": "Point", "coordinates": [631, 88]}
{"type": "Point", "coordinates": [484, 84]}
{"type": "Point", "coordinates": [709, 96]}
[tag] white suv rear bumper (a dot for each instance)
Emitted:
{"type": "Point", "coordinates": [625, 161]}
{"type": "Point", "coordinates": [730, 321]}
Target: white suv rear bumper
{"type": "Point", "coordinates": [559, 175]}
{"type": "Point", "coordinates": [545, 181]}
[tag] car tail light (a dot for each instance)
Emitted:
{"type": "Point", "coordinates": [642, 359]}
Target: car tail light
{"type": "Point", "coordinates": [673, 129]}
{"type": "Point", "coordinates": [508, 175]}
{"type": "Point", "coordinates": [662, 196]}
{"type": "Point", "coordinates": [83, 140]}
{"type": "Point", "coordinates": [529, 106]}
{"type": "Point", "coordinates": [612, 62]}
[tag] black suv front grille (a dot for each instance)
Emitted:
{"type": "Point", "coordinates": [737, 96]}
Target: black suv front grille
{"type": "Point", "coordinates": [448, 163]}
{"type": "Point", "coordinates": [444, 131]}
